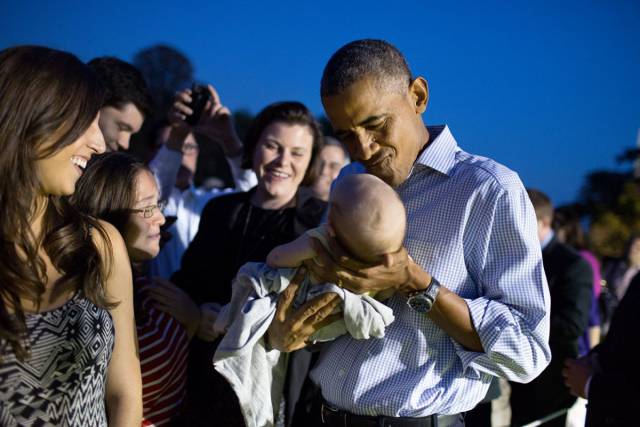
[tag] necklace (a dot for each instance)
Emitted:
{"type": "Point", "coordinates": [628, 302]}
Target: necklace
{"type": "Point", "coordinates": [253, 235]}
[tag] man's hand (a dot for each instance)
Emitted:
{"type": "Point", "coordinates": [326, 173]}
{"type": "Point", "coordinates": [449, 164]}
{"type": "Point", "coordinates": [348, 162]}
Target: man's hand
{"type": "Point", "coordinates": [176, 302]}
{"type": "Point", "coordinates": [216, 122]}
{"type": "Point", "coordinates": [395, 271]}
{"type": "Point", "coordinates": [576, 372]}
{"type": "Point", "coordinates": [180, 110]}
{"type": "Point", "coordinates": [290, 329]}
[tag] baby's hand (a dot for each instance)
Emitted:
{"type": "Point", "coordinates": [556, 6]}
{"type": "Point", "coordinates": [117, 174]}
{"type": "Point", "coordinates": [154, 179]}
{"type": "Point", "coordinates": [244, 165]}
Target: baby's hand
{"type": "Point", "coordinates": [292, 254]}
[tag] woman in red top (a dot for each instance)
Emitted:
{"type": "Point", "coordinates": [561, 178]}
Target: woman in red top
{"type": "Point", "coordinates": [119, 189]}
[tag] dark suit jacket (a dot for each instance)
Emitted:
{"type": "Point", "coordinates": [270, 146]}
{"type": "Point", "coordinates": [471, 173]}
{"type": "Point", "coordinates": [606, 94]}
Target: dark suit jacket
{"type": "Point", "coordinates": [615, 390]}
{"type": "Point", "coordinates": [570, 282]}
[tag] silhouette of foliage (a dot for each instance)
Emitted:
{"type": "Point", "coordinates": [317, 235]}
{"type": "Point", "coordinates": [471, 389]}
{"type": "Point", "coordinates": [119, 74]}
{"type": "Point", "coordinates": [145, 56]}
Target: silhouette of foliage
{"type": "Point", "coordinates": [602, 189]}
{"type": "Point", "coordinates": [166, 70]}
{"type": "Point", "coordinates": [611, 227]}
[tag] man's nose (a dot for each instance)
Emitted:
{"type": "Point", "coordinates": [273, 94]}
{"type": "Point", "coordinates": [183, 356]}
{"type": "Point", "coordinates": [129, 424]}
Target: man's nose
{"type": "Point", "coordinates": [364, 146]}
{"type": "Point", "coordinates": [98, 143]}
{"type": "Point", "coordinates": [123, 141]}
{"type": "Point", "coordinates": [325, 169]}
{"type": "Point", "coordinates": [283, 157]}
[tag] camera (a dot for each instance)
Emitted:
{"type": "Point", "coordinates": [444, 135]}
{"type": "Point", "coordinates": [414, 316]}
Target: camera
{"type": "Point", "coordinates": [199, 97]}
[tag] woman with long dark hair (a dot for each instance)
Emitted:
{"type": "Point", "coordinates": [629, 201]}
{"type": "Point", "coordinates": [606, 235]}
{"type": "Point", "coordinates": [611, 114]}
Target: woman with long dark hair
{"type": "Point", "coordinates": [121, 190]}
{"type": "Point", "coordinates": [67, 338]}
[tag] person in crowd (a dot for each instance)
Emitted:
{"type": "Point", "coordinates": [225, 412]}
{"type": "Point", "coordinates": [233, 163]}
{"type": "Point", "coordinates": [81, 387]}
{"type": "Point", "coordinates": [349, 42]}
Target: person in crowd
{"type": "Point", "coordinates": [570, 280]}
{"type": "Point", "coordinates": [122, 191]}
{"type": "Point", "coordinates": [331, 159]}
{"type": "Point", "coordinates": [608, 377]}
{"type": "Point", "coordinates": [127, 101]}
{"type": "Point", "coordinates": [280, 146]}
{"type": "Point", "coordinates": [175, 166]}
{"type": "Point", "coordinates": [618, 274]}
{"type": "Point", "coordinates": [569, 231]}
{"type": "Point", "coordinates": [566, 225]}
{"type": "Point", "coordinates": [67, 339]}
{"type": "Point", "coordinates": [470, 301]}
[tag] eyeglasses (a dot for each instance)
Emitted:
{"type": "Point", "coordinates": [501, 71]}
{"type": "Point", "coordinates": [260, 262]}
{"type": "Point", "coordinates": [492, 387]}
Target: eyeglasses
{"type": "Point", "coordinates": [148, 211]}
{"type": "Point", "coordinates": [189, 147]}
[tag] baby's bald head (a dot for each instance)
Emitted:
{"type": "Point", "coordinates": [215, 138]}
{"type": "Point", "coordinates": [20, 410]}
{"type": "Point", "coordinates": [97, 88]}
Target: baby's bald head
{"type": "Point", "coordinates": [367, 216]}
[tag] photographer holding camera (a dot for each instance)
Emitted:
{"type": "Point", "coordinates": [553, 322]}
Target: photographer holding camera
{"type": "Point", "coordinates": [196, 111]}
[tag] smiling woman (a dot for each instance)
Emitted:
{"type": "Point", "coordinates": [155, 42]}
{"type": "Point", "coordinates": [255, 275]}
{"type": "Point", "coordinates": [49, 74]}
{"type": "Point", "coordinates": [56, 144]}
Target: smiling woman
{"type": "Point", "coordinates": [67, 347]}
{"type": "Point", "coordinates": [234, 229]}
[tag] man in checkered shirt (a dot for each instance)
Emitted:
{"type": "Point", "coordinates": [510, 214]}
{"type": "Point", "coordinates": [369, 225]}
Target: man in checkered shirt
{"type": "Point", "coordinates": [471, 298]}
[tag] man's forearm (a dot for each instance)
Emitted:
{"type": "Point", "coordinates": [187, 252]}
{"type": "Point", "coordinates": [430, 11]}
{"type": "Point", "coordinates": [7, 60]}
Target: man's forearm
{"type": "Point", "coordinates": [450, 312]}
{"type": "Point", "coordinates": [176, 138]}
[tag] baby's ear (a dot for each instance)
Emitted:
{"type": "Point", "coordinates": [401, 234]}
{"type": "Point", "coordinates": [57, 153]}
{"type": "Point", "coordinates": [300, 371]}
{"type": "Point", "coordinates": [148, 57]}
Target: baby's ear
{"type": "Point", "coordinates": [387, 260]}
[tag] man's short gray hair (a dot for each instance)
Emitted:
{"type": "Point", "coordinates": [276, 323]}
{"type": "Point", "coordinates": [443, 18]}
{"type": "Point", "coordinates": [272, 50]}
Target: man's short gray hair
{"type": "Point", "coordinates": [365, 58]}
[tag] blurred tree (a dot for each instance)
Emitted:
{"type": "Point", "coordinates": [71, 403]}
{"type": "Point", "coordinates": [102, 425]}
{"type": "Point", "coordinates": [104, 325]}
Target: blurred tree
{"type": "Point", "coordinates": [166, 70]}
{"type": "Point", "coordinates": [611, 227]}
{"type": "Point", "coordinates": [601, 190]}
{"type": "Point", "coordinates": [612, 204]}
{"type": "Point", "coordinates": [628, 155]}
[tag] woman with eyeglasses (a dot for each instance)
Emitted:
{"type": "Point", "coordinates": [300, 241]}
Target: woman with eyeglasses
{"type": "Point", "coordinates": [121, 190]}
{"type": "Point", "coordinates": [67, 344]}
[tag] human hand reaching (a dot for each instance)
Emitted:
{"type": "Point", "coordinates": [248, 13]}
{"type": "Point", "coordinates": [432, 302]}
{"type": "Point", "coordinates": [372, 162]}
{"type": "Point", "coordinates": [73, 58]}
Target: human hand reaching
{"type": "Point", "coordinates": [208, 314]}
{"type": "Point", "coordinates": [291, 328]}
{"type": "Point", "coordinates": [174, 301]}
{"type": "Point", "coordinates": [576, 373]}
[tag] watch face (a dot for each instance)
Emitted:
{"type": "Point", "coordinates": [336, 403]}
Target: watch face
{"type": "Point", "coordinates": [420, 303]}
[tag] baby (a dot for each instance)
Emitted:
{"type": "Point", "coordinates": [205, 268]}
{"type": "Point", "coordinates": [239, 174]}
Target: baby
{"type": "Point", "coordinates": [367, 218]}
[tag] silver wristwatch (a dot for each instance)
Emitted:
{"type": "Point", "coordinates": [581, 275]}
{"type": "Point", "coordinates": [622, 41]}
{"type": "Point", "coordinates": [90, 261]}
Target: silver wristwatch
{"type": "Point", "coordinates": [422, 301]}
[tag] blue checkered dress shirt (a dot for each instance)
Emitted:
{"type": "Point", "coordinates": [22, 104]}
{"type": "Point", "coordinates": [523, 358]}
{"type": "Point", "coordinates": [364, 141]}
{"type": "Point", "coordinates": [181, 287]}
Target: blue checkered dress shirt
{"type": "Point", "coordinates": [471, 225]}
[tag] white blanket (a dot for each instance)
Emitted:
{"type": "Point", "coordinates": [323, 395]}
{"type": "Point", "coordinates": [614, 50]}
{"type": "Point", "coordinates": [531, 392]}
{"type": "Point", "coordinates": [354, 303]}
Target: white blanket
{"type": "Point", "coordinates": [257, 373]}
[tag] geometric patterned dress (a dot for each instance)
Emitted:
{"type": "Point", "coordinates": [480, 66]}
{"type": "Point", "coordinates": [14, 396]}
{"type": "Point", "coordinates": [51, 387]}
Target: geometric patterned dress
{"type": "Point", "coordinates": [62, 381]}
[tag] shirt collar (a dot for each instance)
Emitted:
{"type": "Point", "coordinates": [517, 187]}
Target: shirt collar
{"type": "Point", "coordinates": [440, 152]}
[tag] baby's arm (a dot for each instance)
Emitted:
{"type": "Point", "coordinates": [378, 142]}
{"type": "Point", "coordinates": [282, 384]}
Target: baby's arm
{"type": "Point", "coordinates": [291, 254]}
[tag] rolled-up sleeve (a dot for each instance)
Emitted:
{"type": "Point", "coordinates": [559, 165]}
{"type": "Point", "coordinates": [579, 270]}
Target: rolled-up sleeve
{"type": "Point", "coordinates": [512, 314]}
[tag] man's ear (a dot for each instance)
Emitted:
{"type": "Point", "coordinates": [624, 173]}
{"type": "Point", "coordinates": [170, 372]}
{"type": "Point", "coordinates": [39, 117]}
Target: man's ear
{"type": "Point", "coordinates": [419, 93]}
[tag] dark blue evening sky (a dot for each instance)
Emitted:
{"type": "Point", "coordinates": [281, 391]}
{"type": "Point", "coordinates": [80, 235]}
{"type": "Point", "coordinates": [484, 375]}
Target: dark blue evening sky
{"type": "Point", "coordinates": [549, 88]}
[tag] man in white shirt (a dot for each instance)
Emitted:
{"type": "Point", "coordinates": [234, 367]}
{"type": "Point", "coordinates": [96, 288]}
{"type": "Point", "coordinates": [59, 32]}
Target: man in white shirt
{"type": "Point", "coordinates": [471, 300]}
{"type": "Point", "coordinates": [175, 166]}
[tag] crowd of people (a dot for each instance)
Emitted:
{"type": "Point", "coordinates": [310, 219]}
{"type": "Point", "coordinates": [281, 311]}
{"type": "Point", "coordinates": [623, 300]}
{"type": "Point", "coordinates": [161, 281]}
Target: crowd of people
{"type": "Point", "coordinates": [379, 276]}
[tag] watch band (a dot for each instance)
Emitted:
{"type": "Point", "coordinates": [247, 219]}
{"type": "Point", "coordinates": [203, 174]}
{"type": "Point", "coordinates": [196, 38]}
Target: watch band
{"type": "Point", "coordinates": [423, 300]}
